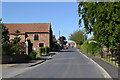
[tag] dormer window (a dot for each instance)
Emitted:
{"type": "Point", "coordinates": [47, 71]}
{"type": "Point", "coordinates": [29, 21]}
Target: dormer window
{"type": "Point", "coordinates": [36, 37]}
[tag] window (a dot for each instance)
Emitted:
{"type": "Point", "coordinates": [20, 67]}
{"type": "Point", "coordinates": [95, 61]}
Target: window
{"type": "Point", "coordinates": [35, 37]}
{"type": "Point", "coordinates": [41, 44]}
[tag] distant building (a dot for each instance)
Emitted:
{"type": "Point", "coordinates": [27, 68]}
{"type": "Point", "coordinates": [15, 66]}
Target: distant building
{"type": "Point", "coordinates": [40, 34]}
{"type": "Point", "coordinates": [71, 44]}
{"type": "Point", "coordinates": [92, 40]}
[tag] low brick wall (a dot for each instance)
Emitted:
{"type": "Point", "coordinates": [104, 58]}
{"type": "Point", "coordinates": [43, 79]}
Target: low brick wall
{"type": "Point", "coordinates": [14, 58]}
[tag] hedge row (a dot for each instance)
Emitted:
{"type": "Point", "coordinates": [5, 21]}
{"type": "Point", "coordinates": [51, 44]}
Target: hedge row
{"type": "Point", "coordinates": [44, 50]}
{"type": "Point", "coordinates": [91, 48]}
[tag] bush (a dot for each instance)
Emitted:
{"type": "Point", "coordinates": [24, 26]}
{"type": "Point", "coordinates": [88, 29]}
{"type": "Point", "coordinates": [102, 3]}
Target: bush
{"type": "Point", "coordinates": [32, 55]}
{"type": "Point", "coordinates": [38, 55]}
{"type": "Point", "coordinates": [98, 51]}
{"type": "Point", "coordinates": [47, 50]}
{"type": "Point", "coordinates": [79, 43]}
{"type": "Point", "coordinates": [56, 47]}
{"type": "Point", "coordinates": [42, 50]}
{"type": "Point", "coordinates": [6, 48]}
{"type": "Point", "coordinates": [84, 47]}
{"type": "Point", "coordinates": [92, 47]}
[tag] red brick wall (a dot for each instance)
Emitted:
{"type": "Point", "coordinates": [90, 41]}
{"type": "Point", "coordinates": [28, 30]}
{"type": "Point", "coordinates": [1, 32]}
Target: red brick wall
{"type": "Point", "coordinates": [43, 38]}
{"type": "Point", "coordinates": [21, 36]}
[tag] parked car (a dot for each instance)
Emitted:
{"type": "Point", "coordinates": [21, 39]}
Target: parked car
{"type": "Point", "coordinates": [65, 47]}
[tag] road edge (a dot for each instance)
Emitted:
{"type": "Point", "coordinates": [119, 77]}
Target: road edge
{"type": "Point", "coordinates": [105, 73]}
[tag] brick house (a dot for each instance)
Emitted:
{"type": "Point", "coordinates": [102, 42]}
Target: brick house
{"type": "Point", "coordinates": [71, 44]}
{"type": "Point", "coordinates": [40, 34]}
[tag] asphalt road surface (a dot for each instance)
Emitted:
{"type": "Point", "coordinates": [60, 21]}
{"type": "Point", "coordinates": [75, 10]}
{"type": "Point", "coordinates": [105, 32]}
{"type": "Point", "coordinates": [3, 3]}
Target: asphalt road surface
{"type": "Point", "coordinates": [67, 64]}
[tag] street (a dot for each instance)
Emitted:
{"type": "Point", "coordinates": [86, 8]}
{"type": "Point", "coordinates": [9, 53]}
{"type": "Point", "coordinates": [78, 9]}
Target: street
{"type": "Point", "coordinates": [67, 64]}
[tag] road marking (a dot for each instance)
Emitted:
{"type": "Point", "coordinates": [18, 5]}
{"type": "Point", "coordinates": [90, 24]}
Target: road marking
{"type": "Point", "coordinates": [105, 74]}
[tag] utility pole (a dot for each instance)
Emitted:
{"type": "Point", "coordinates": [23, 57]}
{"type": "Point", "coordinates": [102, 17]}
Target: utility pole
{"type": "Point", "coordinates": [0, 20]}
{"type": "Point", "coordinates": [59, 34]}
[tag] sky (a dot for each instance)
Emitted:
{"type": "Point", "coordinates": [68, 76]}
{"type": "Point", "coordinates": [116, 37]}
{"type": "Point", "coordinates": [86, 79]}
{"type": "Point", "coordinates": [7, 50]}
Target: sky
{"type": "Point", "coordinates": [63, 16]}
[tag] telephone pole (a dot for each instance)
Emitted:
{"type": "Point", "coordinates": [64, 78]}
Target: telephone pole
{"type": "Point", "coordinates": [59, 34]}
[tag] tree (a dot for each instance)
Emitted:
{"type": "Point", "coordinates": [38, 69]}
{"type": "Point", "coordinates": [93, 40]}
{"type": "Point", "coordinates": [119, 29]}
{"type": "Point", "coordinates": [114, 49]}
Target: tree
{"type": "Point", "coordinates": [62, 41]}
{"type": "Point", "coordinates": [77, 36]}
{"type": "Point", "coordinates": [5, 34]}
{"type": "Point", "coordinates": [103, 19]}
{"type": "Point", "coordinates": [16, 39]}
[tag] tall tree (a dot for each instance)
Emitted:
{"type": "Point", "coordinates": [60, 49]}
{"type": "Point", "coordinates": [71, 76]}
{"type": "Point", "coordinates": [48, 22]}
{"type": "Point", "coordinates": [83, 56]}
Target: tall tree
{"type": "Point", "coordinates": [62, 41]}
{"type": "Point", "coordinates": [103, 19]}
{"type": "Point", "coordinates": [5, 34]}
{"type": "Point", "coordinates": [77, 36]}
{"type": "Point", "coordinates": [16, 39]}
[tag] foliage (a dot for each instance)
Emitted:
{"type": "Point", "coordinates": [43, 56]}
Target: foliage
{"type": "Point", "coordinates": [37, 55]}
{"type": "Point", "coordinates": [62, 40]}
{"type": "Point", "coordinates": [20, 47]}
{"type": "Point", "coordinates": [11, 48]}
{"type": "Point", "coordinates": [77, 36]}
{"type": "Point", "coordinates": [84, 47]}
{"type": "Point", "coordinates": [91, 48]}
{"type": "Point", "coordinates": [5, 34]}
{"type": "Point", "coordinates": [98, 51]}
{"type": "Point", "coordinates": [6, 48]}
{"type": "Point", "coordinates": [17, 33]}
{"type": "Point", "coordinates": [42, 50]}
{"type": "Point", "coordinates": [79, 42]}
{"type": "Point", "coordinates": [16, 39]}
{"type": "Point", "coordinates": [56, 47]}
{"type": "Point", "coordinates": [47, 50]}
{"type": "Point", "coordinates": [32, 55]}
{"type": "Point", "coordinates": [103, 19]}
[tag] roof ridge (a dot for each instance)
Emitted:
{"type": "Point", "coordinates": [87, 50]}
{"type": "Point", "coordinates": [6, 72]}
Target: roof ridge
{"type": "Point", "coordinates": [26, 23]}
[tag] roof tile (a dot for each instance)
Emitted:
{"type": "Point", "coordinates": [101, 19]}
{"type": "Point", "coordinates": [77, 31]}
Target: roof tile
{"type": "Point", "coordinates": [28, 27]}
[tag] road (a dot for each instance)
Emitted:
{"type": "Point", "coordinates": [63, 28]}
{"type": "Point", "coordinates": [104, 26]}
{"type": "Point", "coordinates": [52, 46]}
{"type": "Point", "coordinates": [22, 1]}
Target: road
{"type": "Point", "coordinates": [67, 64]}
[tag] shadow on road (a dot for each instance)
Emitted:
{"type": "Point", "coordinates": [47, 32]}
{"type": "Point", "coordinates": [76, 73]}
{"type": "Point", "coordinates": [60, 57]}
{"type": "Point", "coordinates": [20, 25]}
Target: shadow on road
{"type": "Point", "coordinates": [66, 51]}
{"type": "Point", "coordinates": [31, 61]}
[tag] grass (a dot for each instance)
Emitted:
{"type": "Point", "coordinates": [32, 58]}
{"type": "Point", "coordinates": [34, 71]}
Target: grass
{"type": "Point", "coordinates": [110, 62]}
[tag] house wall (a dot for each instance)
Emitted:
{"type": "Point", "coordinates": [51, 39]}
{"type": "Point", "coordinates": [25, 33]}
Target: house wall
{"type": "Point", "coordinates": [21, 36]}
{"type": "Point", "coordinates": [43, 38]}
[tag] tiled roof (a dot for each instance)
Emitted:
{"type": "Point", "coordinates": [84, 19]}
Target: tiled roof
{"type": "Point", "coordinates": [28, 27]}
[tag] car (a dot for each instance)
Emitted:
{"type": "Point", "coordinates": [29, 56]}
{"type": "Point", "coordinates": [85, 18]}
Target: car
{"type": "Point", "coordinates": [65, 47]}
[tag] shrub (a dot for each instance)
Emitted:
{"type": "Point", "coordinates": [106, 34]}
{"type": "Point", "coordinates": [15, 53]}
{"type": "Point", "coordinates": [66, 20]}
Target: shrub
{"type": "Point", "coordinates": [32, 55]}
{"type": "Point", "coordinates": [79, 43]}
{"type": "Point", "coordinates": [47, 50]}
{"type": "Point", "coordinates": [42, 50]}
{"type": "Point", "coordinates": [98, 51]}
{"type": "Point", "coordinates": [91, 48]}
{"type": "Point", "coordinates": [56, 47]}
{"type": "Point", "coordinates": [38, 55]}
{"type": "Point", "coordinates": [6, 48]}
{"type": "Point", "coordinates": [84, 47]}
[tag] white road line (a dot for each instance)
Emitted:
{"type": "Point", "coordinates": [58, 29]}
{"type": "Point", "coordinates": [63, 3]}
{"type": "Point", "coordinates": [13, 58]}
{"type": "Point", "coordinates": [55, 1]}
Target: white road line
{"type": "Point", "coordinates": [105, 74]}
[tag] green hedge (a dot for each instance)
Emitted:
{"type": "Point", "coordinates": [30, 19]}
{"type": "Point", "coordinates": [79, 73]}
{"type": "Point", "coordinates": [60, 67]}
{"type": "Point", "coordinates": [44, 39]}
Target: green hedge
{"type": "Point", "coordinates": [47, 50]}
{"type": "Point", "coordinates": [91, 48]}
{"type": "Point", "coordinates": [56, 47]}
{"type": "Point", "coordinates": [44, 50]}
{"type": "Point", "coordinates": [84, 48]}
{"type": "Point", "coordinates": [32, 55]}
